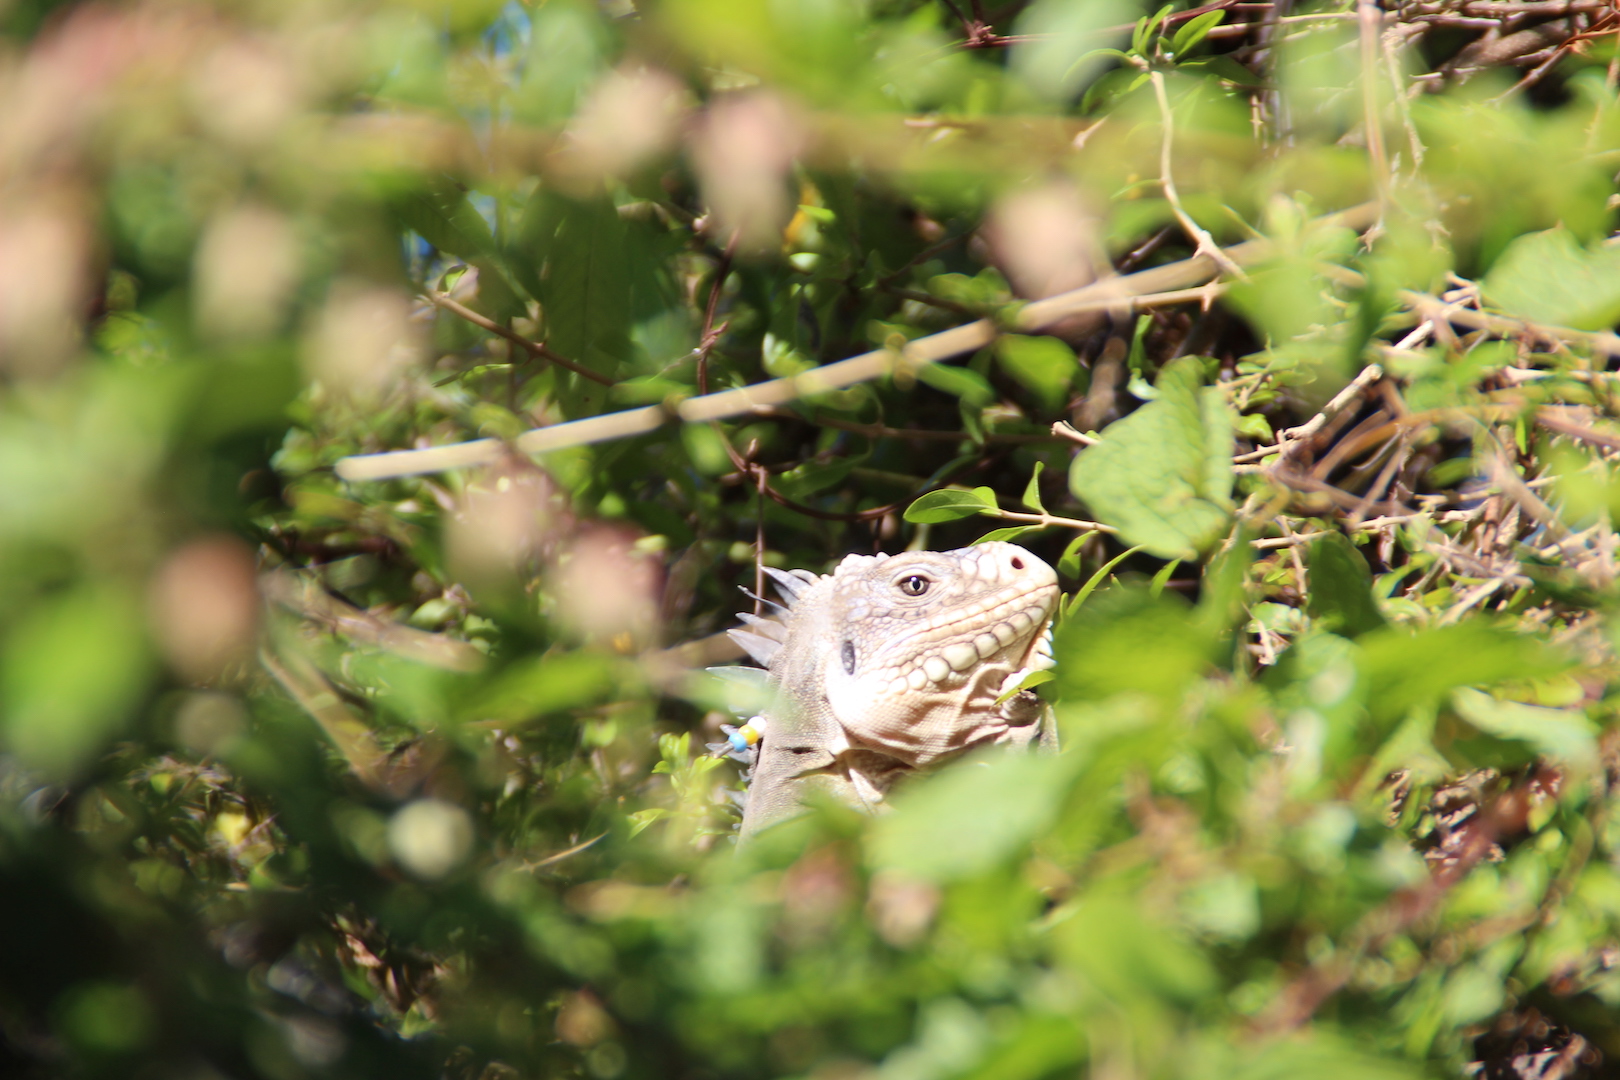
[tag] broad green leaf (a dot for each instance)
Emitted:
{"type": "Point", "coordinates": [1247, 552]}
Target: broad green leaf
{"type": "Point", "coordinates": [948, 504]}
{"type": "Point", "coordinates": [1052, 33]}
{"type": "Point", "coordinates": [72, 668]}
{"type": "Point", "coordinates": [1565, 734]}
{"type": "Point", "coordinates": [1341, 587]}
{"type": "Point", "coordinates": [1405, 670]}
{"type": "Point", "coordinates": [1163, 475]}
{"type": "Point", "coordinates": [532, 688]}
{"type": "Point", "coordinates": [1126, 640]}
{"type": "Point", "coordinates": [962, 822]}
{"type": "Point", "coordinates": [585, 296]}
{"type": "Point", "coordinates": [813, 477]}
{"type": "Point", "coordinates": [1043, 365]}
{"type": "Point", "coordinates": [1548, 277]}
{"type": "Point", "coordinates": [968, 385]}
{"type": "Point", "coordinates": [441, 215]}
{"type": "Point", "coordinates": [1111, 939]}
{"type": "Point", "coordinates": [1193, 31]}
{"type": "Point", "coordinates": [1222, 67]}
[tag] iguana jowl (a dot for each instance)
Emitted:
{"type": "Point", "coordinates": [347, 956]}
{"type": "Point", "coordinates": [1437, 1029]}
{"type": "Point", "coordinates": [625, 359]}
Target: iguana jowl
{"type": "Point", "coordinates": [891, 664]}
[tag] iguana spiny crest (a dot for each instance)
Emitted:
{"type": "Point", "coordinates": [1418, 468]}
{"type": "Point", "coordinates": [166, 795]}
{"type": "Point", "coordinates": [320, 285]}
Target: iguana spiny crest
{"type": "Point", "coordinates": [894, 663]}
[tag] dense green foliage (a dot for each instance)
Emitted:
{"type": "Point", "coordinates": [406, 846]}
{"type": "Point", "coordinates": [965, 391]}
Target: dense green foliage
{"type": "Point", "coordinates": [306, 776]}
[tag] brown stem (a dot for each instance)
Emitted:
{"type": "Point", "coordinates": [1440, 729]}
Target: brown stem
{"type": "Point", "coordinates": [534, 348]}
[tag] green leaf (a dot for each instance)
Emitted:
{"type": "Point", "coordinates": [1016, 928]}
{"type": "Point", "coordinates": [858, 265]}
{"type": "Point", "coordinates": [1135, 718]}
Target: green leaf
{"type": "Point", "coordinates": [1028, 682]}
{"type": "Point", "coordinates": [70, 673]}
{"type": "Point", "coordinates": [1341, 587]}
{"type": "Point", "coordinates": [1010, 533]}
{"type": "Point", "coordinates": [1193, 31]}
{"type": "Point", "coordinates": [1095, 579]}
{"type": "Point", "coordinates": [441, 215]}
{"type": "Point", "coordinates": [1163, 475]}
{"type": "Point", "coordinates": [585, 296]}
{"type": "Point", "coordinates": [1565, 734]}
{"type": "Point", "coordinates": [532, 688]}
{"type": "Point", "coordinates": [1112, 84]}
{"type": "Point", "coordinates": [1146, 27]}
{"type": "Point", "coordinates": [813, 477]}
{"type": "Point", "coordinates": [1126, 956]}
{"type": "Point", "coordinates": [1068, 563]}
{"type": "Point", "coordinates": [1406, 670]}
{"type": "Point", "coordinates": [1054, 33]}
{"type": "Point", "coordinates": [1128, 641]}
{"type": "Point", "coordinates": [1222, 67]}
{"type": "Point", "coordinates": [940, 831]}
{"type": "Point", "coordinates": [949, 504]}
{"type": "Point", "coordinates": [1162, 578]}
{"type": "Point", "coordinates": [968, 385]}
{"type": "Point", "coordinates": [1548, 277]}
{"type": "Point", "coordinates": [1032, 490]}
{"type": "Point", "coordinates": [1045, 366]}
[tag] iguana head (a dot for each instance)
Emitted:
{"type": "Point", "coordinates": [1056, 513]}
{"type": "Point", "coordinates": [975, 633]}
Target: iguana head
{"type": "Point", "coordinates": [911, 652]}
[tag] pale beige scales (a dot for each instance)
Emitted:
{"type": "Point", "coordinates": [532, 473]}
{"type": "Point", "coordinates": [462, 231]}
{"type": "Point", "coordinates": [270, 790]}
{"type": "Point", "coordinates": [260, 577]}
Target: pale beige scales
{"type": "Point", "coordinates": [892, 664]}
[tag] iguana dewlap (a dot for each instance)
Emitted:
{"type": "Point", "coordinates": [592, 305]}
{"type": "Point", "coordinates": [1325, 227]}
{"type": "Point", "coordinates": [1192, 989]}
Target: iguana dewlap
{"type": "Point", "coordinates": [894, 663]}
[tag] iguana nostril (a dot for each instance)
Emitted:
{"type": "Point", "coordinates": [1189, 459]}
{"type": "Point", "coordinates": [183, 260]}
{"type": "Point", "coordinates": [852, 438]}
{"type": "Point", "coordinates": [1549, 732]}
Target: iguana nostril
{"type": "Point", "coordinates": [1017, 563]}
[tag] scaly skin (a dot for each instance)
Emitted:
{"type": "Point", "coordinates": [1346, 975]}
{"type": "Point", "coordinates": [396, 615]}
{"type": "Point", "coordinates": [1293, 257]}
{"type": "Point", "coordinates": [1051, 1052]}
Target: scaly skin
{"type": "Point", "coordinates": [892, 664]}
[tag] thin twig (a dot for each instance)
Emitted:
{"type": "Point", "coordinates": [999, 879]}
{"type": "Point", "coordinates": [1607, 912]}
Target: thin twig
{"type": "Point", "coordinates": [1368, 17]}
{"type": "Point", "coordinates": [883, 431]}
{"type": "Point", "coordinates": [1550, 420]}
{"type": "Point", "coordinates": [534, 348]}
{"type": "Point", "coordinates": [1298, 436]}
{"type": "Point", "coordinates": [1206, 243]}
{"type": "Point", "coordinates": [1049, 520]}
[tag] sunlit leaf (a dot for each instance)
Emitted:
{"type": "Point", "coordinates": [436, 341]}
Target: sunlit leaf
{"type": "Point", "coordinates": [1549, 277]}
{"type": "Point", "coordinates": [1163, 475]}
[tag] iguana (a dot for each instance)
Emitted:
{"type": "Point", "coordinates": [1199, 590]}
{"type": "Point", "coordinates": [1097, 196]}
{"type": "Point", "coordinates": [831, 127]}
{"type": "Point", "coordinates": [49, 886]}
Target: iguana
{"type": "Point", "coordinates": [889, 665]}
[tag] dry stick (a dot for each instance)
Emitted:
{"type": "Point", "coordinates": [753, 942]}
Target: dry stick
{"type": "Point", "coordinates": [303, 595]}
{"type": "Point", "coordinates": [1501, 8]}
{"type": "Point", "coordinates": [1368, 19]}
{"type": "Point", "coordinates": [1206, 243]}
{"type": "Point", "coordinates": [350, 733]}
{"type": "Point", "coordinates": [1394, 40]}
{"type": "Point", "coordinates": [1603, 342]}
{"type": "Point", "coordinates": [1442, 314]}
{"type": "Point", "coordinates": [534, 348]}
{"type": "Point", "coordinates": [1122, 294]}
{"type": "Point", "coordinates": [1514, 487]}
{"type": "Point", "coordinates": [1297, 435]}
{"type": "Point", "coordinates": [1557, 424]}
{"type": "Point", "coordinates": [883, 431]}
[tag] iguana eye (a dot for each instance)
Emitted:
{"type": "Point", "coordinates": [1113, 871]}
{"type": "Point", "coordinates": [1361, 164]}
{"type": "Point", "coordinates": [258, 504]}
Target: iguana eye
{"type": "Point", "coordinates": [915, 585]}
{"type": "Point", "coordinates": [849, 657]}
